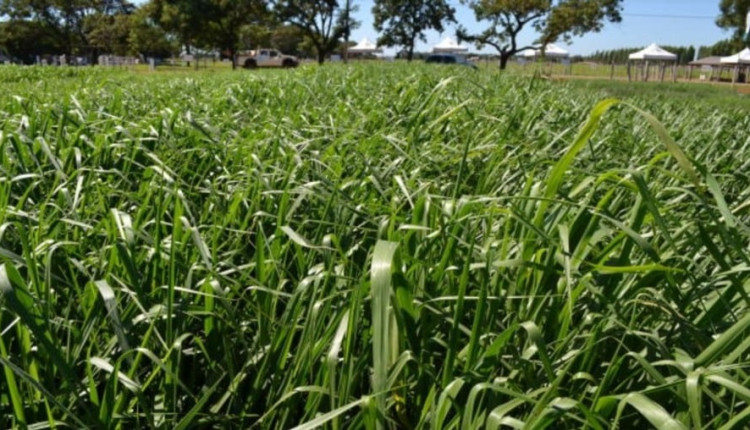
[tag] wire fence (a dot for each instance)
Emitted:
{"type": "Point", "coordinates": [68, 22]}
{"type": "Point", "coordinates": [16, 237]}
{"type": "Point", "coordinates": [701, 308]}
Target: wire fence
{"type": "Point", "coordinates": [654, 72]}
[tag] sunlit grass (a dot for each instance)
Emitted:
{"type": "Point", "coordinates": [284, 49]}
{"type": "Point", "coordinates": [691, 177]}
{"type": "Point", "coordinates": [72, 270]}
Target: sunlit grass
{"type": "Point", "coordinates": [368, 246]}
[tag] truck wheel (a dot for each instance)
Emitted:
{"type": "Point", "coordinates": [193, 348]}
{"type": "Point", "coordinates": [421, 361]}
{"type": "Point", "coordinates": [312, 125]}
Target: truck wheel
{"type": "Point", "coordinates": [288, 64]}
{"type": "Point", "coordinates": [250, 64]}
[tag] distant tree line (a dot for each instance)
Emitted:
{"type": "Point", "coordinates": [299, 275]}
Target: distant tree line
{"type": "Point", "coordinates": [317, 28]}
{"type": "Point", "coordinates": [722, 48]}
{"type": "Point", "coordinates": [310, 28]}
{"type": "Point", "coordinates": [163, 28]}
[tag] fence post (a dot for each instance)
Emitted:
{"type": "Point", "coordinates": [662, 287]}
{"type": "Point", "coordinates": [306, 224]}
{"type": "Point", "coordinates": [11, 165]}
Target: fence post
{"type": "Point", "coordinates": [629, 77]}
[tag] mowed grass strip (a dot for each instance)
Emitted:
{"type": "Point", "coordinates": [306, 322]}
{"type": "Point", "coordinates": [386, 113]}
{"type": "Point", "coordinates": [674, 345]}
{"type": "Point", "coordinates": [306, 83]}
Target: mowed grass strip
{"type": "Point", "coordinates": [369, 246]}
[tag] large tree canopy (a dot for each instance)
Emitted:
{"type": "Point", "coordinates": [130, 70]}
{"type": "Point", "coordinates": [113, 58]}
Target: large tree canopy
{"type": "Point", "coordinates": [147, 38]}
{"type": "Point", "coordinates": [69, 20]}
{"type": "Point", "coordinates": [15, 37]}
{"type": "Point", "coordinates": [185, 19]}
{"type": "Point", "coordinates": [733, 16]}
{"type": "Point", "coordinates": [552, 19]}
{"type": "Point", "coordinates": [109, 33]}
{"type": "Point", "coordinates": [228, 19]}
{"type": "Point", "coordinates": [288, 39]}
{"type": "Point", "coordinates": [403, 22]}
{"type": "Point", "coordinates": [323, 22]}
{"type": "Point", "coordinates": [218, 24]}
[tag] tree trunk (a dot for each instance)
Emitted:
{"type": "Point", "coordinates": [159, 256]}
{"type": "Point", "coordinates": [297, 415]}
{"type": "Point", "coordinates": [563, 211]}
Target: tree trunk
{"type": "Point", "coordinates": [187, 52]}
{"type": "Point", "coordinates": [93, 56]}
{"type": "Point", "coordinates": [321, 56]}
{"type": "Point", "coordinates": [410, 51]}
{"type": "Point", "coordinates": [234, 58]}
{"type": "Point", "coordinates": [504, 57]}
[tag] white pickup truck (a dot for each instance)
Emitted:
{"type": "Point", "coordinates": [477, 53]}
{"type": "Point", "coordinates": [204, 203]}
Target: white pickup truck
{"type": "Point", "coordinates": [266, 58]}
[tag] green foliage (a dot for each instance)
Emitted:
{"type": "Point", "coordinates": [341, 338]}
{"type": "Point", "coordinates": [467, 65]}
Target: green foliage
{"type": "Point", "coordinates": [554, 20]}
{"type": "Point", "coordinates": [722, 48]}
{"type": "Point", "coordinates": [183, 18]}
{"type": "Point", "coordinates": [403, 22]}
{"type": "Point", "coordinates": [110, 33]}
{"type": "Point", "coordinates": [69, 21]}
{"type": "Point", "coordinates": [734, 17]}
{"type": "Point", "coordinates": [289, 39]}
{"type": "Point", "coordinates": [226, 21]}
{"type": "Point", "coordinates": [219, 24]}
{"type": "Point", "coordinates": [376, 245]}
{"type": "Point", "coordinates": [253, 36]}
{"type": "Point", "coordinates": [323, 22]}
{"type": "Point", "coordinates": [16, 34]}
{"type": "Point", "coordinates": [148, 39]}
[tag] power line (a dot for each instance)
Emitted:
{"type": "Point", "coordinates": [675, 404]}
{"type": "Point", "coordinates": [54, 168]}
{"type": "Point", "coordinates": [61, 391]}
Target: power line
{"type": "Point", "coordinates": [646, 15]}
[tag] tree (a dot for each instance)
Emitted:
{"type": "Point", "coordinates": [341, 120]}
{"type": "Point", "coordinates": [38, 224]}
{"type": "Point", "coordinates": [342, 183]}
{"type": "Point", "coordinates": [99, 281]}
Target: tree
{"type": "Point", "coordinates": [552, 19]}
{"type": "Point", "coordinates": [226, 21]}
{"type": "Point", "coordinates": [23, 40]}
{"type": "Point", "coordinates": [725, 47]}
{"type": "Point", "coordinates": [734, 15]}
{"type": "Point", "coordinates": [346, 15]}
{"type": "Point", "coordinates": [220, 24]}
{"type": "Point", "coordinates": [403, 22]}
{"type": "Point", "coordinates": [254, 36]}
{"type": "Point", "coordinates": [183, 18]}
{"type": "Point", "coordinates": [287, 39]}
{"type": "Point", "coordinates": [322, 22]}
{"type": "Point", "coordinates": [109, 33]}
{"type": "Point", "coordinates": [147, 38]}
{"type": "Point", "coordinates": [65, 18]}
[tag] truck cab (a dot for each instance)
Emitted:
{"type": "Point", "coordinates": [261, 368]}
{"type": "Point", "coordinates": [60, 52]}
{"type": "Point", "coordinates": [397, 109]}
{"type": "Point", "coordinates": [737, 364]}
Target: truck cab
{"type": "Point", "coordinates": [266, 57]}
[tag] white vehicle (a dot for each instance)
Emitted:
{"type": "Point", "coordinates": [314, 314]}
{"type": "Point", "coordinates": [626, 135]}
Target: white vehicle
{"type": "Point", "coordinates": [266, 58]}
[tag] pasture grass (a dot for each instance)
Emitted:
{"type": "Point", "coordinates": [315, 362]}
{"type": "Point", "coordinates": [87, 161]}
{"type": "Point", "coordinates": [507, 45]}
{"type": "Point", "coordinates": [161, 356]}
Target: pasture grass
{"type": "Point", "coordinates": [722, 96]}
{"type": "Point", "coordinates": [369, 246]}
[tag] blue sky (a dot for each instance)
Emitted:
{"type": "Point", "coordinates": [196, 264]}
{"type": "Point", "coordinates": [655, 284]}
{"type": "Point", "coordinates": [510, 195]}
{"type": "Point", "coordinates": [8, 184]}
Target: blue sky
{"type": "Point", "coordinates": [666, 22]}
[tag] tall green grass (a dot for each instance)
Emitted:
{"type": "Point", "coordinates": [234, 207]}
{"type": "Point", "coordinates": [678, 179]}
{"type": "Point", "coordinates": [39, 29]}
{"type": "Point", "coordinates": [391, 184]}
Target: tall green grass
{"type": "Point", "coordinates": [368, 246]}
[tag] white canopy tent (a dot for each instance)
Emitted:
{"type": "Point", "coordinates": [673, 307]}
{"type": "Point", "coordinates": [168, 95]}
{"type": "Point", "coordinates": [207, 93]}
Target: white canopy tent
{"type": "Point", "coordinates": [365, 47]}
{"type": "Point", "coordinates": [550, 51]}
{"type": "Point", "coordinates": [740, 59]}
{"type": "Point", "coordinates": [653, 53]}
{"type": "Point", "coordinates": [449, 45]}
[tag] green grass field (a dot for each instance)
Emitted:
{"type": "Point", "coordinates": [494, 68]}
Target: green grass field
{"type": "Point", "coordinates": [371, 246]}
